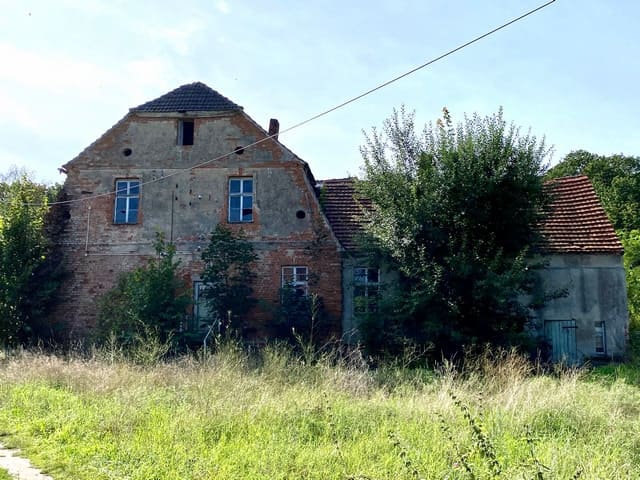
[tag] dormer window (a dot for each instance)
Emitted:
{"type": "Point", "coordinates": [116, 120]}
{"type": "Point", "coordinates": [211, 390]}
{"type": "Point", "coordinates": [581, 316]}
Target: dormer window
{"type": "Point", "coordinates": [185, 132]}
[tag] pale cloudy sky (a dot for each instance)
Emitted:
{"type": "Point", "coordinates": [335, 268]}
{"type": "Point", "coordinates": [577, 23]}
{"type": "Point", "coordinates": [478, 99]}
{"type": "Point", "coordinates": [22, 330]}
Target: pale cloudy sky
{"type": "Point", "coordinates": [69, 69]}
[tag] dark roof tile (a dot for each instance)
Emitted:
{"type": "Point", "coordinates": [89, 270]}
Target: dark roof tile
{"type": "Point", "coordinates": [193, 97]}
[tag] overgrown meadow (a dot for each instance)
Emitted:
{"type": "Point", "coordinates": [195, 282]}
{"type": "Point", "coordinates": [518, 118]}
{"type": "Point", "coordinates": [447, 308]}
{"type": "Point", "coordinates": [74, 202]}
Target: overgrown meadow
{"type": "Point", "coordinates": [275, 414]}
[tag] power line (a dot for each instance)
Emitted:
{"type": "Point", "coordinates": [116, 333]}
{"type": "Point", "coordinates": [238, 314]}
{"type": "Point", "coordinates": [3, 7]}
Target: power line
{"type": "Point", "coordinates": [330, 110]}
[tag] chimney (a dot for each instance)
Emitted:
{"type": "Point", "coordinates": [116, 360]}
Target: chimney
{"type": "Point", "coordinates": [274, 128]}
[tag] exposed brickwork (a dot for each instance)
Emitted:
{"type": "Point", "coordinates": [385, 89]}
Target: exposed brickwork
{"type": "Point", "coordinates": [185, 205]}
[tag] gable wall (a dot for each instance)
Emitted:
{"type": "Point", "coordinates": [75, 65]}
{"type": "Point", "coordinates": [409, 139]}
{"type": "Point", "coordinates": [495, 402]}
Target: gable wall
{"type": "Point", "coordinates": [187, 206]}
{"type": "Point", "coordinates": [595, 289]}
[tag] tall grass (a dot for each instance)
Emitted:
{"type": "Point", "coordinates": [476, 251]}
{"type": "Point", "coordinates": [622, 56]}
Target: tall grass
{"type": "Point", "coordinates": [273, 414]}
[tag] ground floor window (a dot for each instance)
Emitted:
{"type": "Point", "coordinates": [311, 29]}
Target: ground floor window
{"type": "Point", "coordinates": [296, 277]}
{"type": "Point", "coordinates": [366, 289]}
{"type": "Point", "coordinates": [600, 338]}
{"type": "Point", "coordinates": [202, 315]}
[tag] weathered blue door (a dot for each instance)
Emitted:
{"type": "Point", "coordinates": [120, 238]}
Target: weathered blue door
{"type": "Point", "coordinates": [561, 335]}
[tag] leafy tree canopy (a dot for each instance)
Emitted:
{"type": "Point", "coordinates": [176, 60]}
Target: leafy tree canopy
{"type": "Point", "coordinates": [28, 277]}
{"type": "Point", "coordinates": [455, 207]}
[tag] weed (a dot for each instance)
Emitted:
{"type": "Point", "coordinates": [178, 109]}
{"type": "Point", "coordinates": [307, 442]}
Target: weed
{"type": "Point", "coordinates": [403, 452]}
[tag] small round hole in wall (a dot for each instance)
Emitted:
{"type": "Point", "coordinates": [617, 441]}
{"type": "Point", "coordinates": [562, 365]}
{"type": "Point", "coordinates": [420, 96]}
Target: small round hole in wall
{"type": "Point", "coordinates": [127, 151]}
{"type": "Point", "coordinates": [300, 214]}
{"type": "Point", "coordinates": [239, 150]}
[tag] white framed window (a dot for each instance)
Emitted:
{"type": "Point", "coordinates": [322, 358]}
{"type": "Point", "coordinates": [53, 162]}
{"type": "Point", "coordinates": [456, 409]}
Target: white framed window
{"type": "Point", "coordinates": [240, 200]}
{"type": "Point", "coordinates": [600, 338]}
{"type": "Point", "coordinates": [185, 132]}
{"type": "Point", "coordinates": [127, 202]}
{"type": "Point", "coordinates": [296, 277]}
{"type": "Point", "coordinates": [366, 288]}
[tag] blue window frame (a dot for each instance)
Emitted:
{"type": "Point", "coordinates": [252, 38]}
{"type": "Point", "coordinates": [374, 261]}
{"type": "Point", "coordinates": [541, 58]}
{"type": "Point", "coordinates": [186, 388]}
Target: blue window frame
{"type": "Point", "coordinates": [241, 200]}
{"type": "Point", "coordinates": [127, 201]}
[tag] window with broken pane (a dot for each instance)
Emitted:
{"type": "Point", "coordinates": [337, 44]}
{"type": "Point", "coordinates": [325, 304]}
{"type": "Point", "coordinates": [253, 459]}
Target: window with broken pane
{"type": "Point", "coordinates": [241, 200]}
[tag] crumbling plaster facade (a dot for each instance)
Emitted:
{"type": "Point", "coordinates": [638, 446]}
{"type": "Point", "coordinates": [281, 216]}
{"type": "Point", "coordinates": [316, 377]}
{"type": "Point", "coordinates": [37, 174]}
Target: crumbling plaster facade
{"type": "Point", "coordinates": [588, 317]}
{"type": "Point", "coordinates": [184, 193]}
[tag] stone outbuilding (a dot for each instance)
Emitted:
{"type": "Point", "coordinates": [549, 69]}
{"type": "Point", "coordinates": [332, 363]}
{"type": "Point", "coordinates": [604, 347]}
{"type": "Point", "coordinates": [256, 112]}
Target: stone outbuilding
{"type": "Point", "coordinates": [583, 262]}
{"type": "Point", "coordinates": [585, 314]}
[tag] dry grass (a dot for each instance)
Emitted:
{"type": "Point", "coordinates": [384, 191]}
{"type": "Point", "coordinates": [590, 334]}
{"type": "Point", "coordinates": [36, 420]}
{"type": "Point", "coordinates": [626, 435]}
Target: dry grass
{"type": "Point", "coordinates": [275, 415]}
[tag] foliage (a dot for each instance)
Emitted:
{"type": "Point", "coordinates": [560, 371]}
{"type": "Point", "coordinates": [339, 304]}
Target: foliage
{"type": "Point", "coordinates": [631, 243]}
{"type": "Point", "coordinates": [148, 302]}
{"type": "Point", "coordinates": [454, 211]}
{"type": "Point", "coordinates": [30, 271]}
{"type": "Point", "coordinates": [272, 415]}
{"type": "Point", "coordinates": [228, 273]}
{"type": "Point", "coordinates": [295, 311]}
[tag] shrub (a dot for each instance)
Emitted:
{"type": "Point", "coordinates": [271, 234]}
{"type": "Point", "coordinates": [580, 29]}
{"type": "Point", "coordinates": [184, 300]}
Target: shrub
{"type": "Point", "coordinates": [149, 298]}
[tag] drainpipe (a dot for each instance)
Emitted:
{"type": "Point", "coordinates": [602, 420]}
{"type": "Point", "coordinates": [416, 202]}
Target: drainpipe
{"type": "Point", "coordinates": [86, 242]}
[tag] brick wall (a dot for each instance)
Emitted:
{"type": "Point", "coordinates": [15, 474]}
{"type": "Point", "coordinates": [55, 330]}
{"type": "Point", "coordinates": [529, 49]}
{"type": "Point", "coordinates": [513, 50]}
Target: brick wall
{"type": "Point", "coordinates": [186, 206]}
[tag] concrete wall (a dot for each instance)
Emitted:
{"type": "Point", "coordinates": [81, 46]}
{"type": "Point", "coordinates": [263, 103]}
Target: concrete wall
{"type": "Point", "coordinates": [186, 205]}
{"type": "Point", "coordinates": [595, 292]}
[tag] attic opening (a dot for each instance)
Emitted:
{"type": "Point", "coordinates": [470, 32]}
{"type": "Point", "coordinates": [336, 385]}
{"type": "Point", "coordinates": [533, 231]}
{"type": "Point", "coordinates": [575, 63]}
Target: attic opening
{"type": "Point", "coordinates": [185, 132]}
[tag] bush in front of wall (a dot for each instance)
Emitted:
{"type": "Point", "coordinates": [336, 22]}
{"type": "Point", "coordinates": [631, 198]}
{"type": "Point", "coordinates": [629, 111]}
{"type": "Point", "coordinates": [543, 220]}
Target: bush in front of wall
{"type": "Point", "coordinates": [151, 298]}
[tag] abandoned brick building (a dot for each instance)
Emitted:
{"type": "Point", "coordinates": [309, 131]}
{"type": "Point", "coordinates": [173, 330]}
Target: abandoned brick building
{"type": "Point", "coordinates": [190, 159]}
{"type": "Point", "coordinates": [165, 167]}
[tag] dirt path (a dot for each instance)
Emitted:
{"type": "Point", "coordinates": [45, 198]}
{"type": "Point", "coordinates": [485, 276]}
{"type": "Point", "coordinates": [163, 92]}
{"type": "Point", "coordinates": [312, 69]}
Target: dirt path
{"type": "Point", "coordinates": [18, 467]}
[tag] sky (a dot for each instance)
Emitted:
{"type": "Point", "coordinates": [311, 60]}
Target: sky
{"type": "Point", "coordinates": [70, 69]}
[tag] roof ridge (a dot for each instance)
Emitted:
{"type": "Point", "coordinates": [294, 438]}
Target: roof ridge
{"type": "Point", "coordinates": [190, 97]}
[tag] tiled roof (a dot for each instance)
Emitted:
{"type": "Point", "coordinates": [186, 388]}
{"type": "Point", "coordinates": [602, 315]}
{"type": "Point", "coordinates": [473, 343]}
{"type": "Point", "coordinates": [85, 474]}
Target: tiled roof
{"type": "Point", "coordinates": [193, 97]}
{"type": "Point", "coordinates": [344, 213]}
{"type": "Point", "coordinates": [576, 221]}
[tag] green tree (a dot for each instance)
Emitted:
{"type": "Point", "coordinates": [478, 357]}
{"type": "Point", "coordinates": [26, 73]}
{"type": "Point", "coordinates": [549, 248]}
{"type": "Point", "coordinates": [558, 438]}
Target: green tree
{"type": "Point", "coordinates": [228, 273]}
{"type": "Point", "coordinates": [28, 275]}
{"type": "Point", "coordinates": [150, 299]}
{"type": "Point", "coordinates": [454, 211]}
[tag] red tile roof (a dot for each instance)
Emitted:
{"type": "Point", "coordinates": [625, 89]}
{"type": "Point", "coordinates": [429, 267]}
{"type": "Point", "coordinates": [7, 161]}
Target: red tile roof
{"type": "Point", "coordinates": [344, 209]}
{"type": "Point", "coordinates": [575, 222]}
